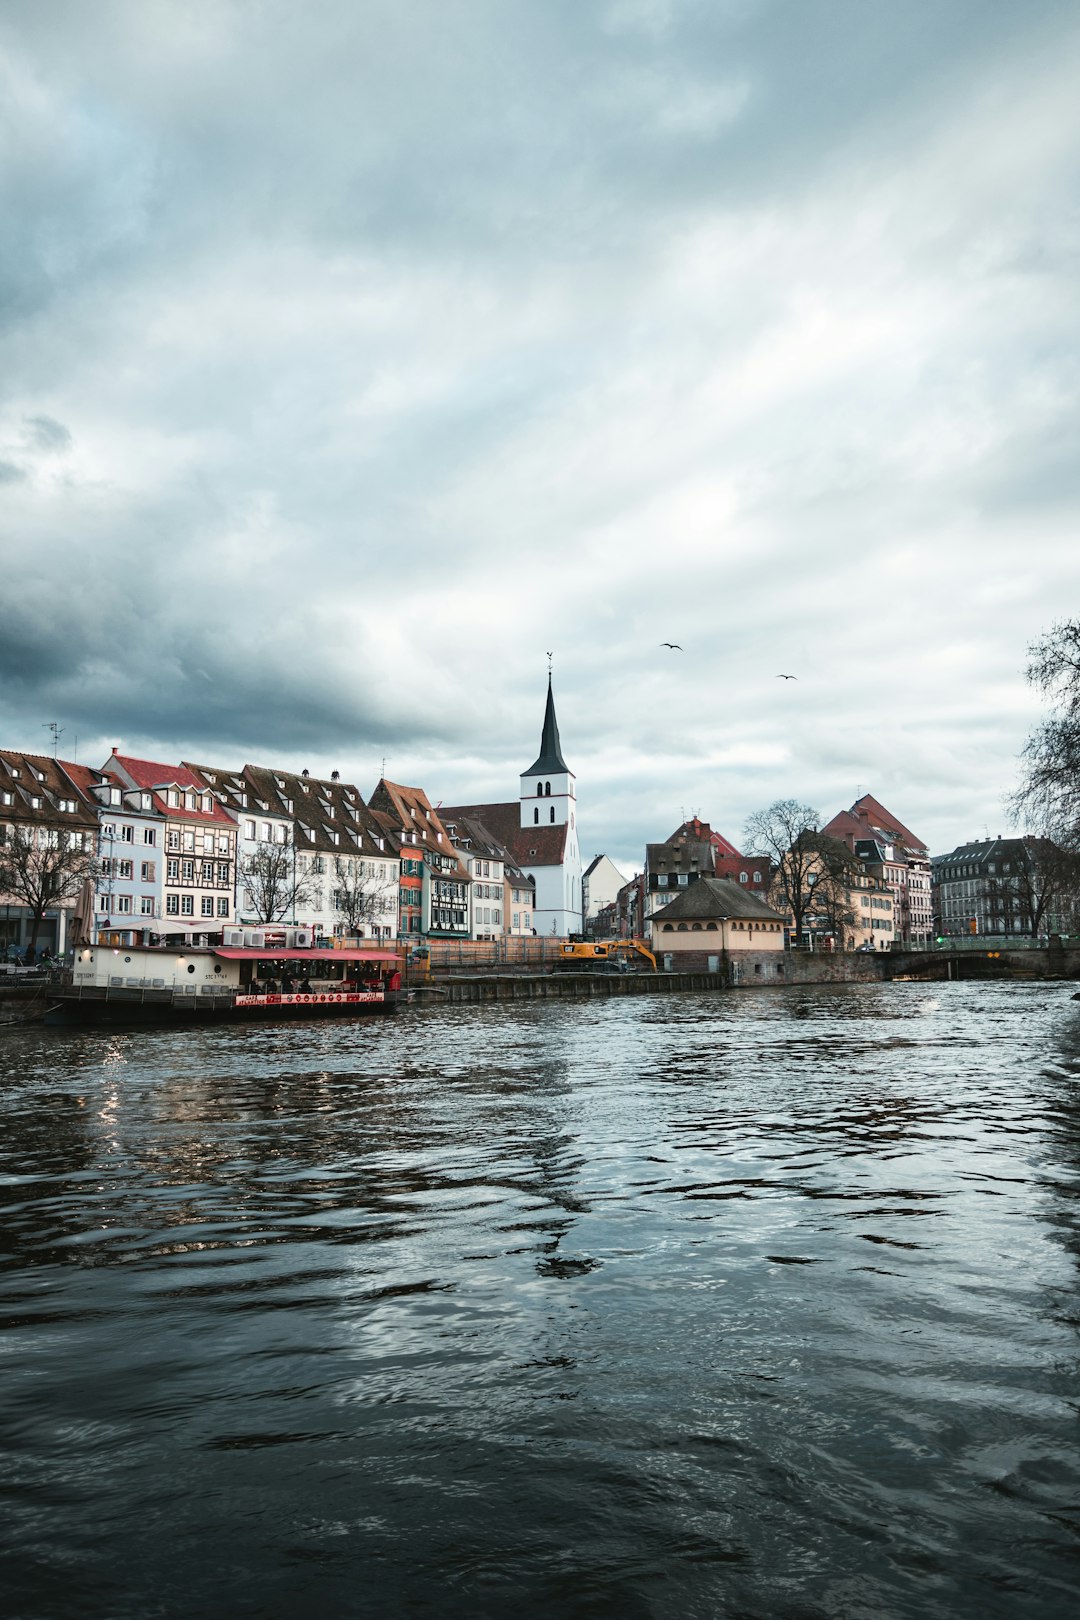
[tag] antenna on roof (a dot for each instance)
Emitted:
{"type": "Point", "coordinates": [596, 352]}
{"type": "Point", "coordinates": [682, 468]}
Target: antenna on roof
{"type": "Point", "coordinates": [549, 657]}
{"type": "Point", "coordinates": [57, 732]}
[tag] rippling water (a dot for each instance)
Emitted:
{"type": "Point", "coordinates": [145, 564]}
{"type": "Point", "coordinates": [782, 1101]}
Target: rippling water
{"type": "Point", "coordinates": [762, 1305]}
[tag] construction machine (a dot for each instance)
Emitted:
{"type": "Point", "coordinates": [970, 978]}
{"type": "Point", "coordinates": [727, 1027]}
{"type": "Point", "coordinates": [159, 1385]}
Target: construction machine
{"type": "Point", "coordinates": [614, 955]}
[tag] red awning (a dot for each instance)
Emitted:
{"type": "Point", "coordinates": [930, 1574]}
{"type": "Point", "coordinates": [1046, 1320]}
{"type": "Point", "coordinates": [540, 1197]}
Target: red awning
{"type": "Point", "coordinates": [275, 953]}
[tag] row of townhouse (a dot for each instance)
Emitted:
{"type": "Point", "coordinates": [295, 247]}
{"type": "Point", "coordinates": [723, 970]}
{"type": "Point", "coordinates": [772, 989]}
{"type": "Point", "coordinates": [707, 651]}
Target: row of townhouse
{"type": "Point", "coordinates": [1006, 887]}
{"type": "Point", "coordinates": [187, 850]}
{"type": "Point", "coordinates": [876, 895]}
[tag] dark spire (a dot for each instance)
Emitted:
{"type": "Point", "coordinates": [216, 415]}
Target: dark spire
{"type": "Point", "coordinates": [551, 759]}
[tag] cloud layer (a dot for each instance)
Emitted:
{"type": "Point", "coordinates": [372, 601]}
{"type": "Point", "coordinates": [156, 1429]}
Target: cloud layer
{"type": "Point", "coordinates": [347, 369]}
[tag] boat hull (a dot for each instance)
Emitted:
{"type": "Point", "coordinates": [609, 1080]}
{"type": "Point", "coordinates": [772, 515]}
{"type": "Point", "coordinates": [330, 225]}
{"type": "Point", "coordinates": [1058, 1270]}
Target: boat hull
{"type": "Point", "coordinates": [116, 1008]}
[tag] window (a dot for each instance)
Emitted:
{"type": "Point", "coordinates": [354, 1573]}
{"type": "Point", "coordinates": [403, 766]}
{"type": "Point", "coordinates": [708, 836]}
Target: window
{"type": "Point", "coordinates": [173, 799]}
{"type": "Point", "coordinates": [222, 874]}
{"type": "Point", "coordinates": [148, 871]}
{"type": "Point", "coordinates": [127, 834]}
{"type": "Point", "coordinates": [187, 905]}
{"type": "Point", "coordinates": [189, 841]}
{"type": "Point", "coordinates": [536, 816]}
{"type": "Point", "coordinates": [742, 877]}
{"type": "Point", "coordinates": [123, 904]}
{"type": "Point", "coordinates": [208, 871]}
{"type": "Point", "coordinates": [757, 877]}
{"type": "Point", "coordinates": [35, 801]}
{"type": "Point", "coordinates": [222, 906]}
{"type": "Point", "coordinates": [172, 839]}
{"type": "Point", "coordinates": [172, 905]}
{"type": "Point", "coordinates": [207, 905]}
{"type": "Point", "coordinates": [267, 832]}
{"type": "Point", "coordinates": [149, 835]}
{"type": "Point", "coordinates": [249, 829]}
{"type": "Point", "coordinates": [553, 812]}
{"type": "Point", "coordinates": [172, 871]}
{"type": "Point", "coordinates": [127, 870]}
{"type": "Point", "coordinates": [189, 871]}
{"type": "Point", "coordinates": [146, 905]}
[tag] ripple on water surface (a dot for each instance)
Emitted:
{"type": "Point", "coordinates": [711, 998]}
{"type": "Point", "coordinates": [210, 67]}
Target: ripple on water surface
{"type": "Point", "coordinates": [760, 1305]}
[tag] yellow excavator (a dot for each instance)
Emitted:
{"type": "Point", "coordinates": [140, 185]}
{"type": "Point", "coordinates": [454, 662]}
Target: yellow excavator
{"type": "Point", "coordinates": [618, 955]}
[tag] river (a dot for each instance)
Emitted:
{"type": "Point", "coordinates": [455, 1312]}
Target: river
{"type": "Point", "coordinates": [759, 1305]}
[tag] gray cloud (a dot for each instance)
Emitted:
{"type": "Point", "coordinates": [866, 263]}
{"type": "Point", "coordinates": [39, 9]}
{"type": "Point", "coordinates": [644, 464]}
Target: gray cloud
{"type": "Point", "coordinates": [343, 371]}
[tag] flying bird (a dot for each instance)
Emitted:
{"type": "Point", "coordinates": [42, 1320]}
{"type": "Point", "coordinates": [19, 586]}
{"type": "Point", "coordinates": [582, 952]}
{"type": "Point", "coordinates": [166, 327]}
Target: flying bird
{"type": "Point", "coordinates": [674, 645]}
{"type": "Point", "coordinates": [787, 677]}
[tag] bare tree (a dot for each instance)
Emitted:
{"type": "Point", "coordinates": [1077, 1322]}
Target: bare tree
{"type": "Point", "coordinates": [274, 883]}
{"type": "Point", "coordinates": [838, 872]}
{"type": "Point", "coordinates": [360, 895]}
{"type": "Point", "coordinates": [785, 831]}
{"type": "Point", "coordinates": [1047, 889]}
{"type": "Point", "coordinates": [1048, 797]}
{"type": "Point", "coordinates": [44, 864]}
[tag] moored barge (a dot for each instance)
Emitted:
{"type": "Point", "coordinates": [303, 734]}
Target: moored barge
{"type": "Point", "coordinates": [137, 984]}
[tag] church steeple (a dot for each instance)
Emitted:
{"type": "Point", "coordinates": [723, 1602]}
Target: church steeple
{"type": "Point", "coordinates": [550, 760]}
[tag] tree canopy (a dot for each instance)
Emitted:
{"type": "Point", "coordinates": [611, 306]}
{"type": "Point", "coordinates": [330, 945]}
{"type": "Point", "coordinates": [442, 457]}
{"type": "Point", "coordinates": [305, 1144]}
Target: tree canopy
{"type": "Point", "coordinates": [1048, 797]}
{"type": "Point", "coordinates": [43, 865]}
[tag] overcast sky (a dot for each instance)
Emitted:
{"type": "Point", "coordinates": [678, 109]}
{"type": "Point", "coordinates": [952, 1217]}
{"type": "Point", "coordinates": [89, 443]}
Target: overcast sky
{"type": "Point", "coordinates": [353, 356]}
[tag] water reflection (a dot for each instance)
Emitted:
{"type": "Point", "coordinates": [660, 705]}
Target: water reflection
{"type": "Point", "coordinates": [761, 1306]}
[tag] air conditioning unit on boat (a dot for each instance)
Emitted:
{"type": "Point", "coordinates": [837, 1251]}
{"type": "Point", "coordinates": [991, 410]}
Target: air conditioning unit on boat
{"type": "Point", "coordinates": [232, 936]}
{"type": "Point", "coordinates": [301, 939]}
{"type": "Point", "coordinates": [254, 938]}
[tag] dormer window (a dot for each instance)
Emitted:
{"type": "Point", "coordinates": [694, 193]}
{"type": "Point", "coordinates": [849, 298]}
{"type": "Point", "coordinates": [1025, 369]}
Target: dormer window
{"type": "Point", "coordinates": [35, 801]}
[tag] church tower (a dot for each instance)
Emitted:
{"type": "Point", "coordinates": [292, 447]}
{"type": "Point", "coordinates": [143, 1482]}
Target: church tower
{"type": "Point", "coordinates": [547, 788]}
{"type": "Point", "coordinates": [548, 839]}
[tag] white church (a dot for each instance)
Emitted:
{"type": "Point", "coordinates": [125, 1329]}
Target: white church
{"type": "Point", "coordinates": [540, 831]}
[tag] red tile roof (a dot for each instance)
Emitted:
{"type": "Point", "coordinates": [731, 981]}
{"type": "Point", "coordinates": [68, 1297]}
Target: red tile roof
{"type": "Point", "coordinates": [150, 775]}
{"type": "Point", "coordinates": [530, 846]}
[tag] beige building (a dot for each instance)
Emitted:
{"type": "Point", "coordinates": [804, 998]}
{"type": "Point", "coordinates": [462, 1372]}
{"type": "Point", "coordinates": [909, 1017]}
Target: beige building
{"type": "Point", "coordinates": [713, 919]}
